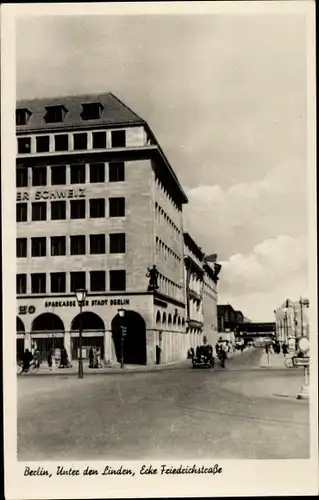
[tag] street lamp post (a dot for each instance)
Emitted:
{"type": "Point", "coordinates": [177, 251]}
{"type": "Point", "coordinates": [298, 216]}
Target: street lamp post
{"type": "Point", "coordinates": [80, 295]}
{"type": "Point", "coordinates": [122, 315]}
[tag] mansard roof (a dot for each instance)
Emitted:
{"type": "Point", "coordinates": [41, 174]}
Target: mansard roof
{"type": "Point", "coordinates": [113, 112]}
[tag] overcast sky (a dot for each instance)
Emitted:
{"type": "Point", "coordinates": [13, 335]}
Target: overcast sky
{"type": "Point", "coordinates": [226, 98]}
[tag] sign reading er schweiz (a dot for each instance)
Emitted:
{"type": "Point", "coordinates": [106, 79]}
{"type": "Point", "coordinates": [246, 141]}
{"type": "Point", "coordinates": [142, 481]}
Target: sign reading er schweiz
{"type": "Point", "coordinates": [51, 195]}
{"type": "Point", "coordinates": [92, 302]}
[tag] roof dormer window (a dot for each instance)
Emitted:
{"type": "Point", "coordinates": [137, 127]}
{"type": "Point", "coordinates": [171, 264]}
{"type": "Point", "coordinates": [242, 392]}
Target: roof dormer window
{"type": "Point", "coordinates": [22, 116]}
{"type": "Point", "coordinates": [91, 111]}
{"type": "Point", "coordinates": [55, 114]}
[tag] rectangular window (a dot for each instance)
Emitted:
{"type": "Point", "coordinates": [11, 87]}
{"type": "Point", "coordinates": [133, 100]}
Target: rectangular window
{"type": "Point", "coordinates": [38, 247]}
{"type": "Point", "coordinates": [21, 247]}
{"type": "Point", "coordinates": [58, 210]}
{"type": "Point", "coordinates": [77, 280]}
{"type": "Point", "coordinates": [24, 145]}
{"type": "Point", "coordinates": [117, 207]}
{"type": "Point", "coordinates": [118, 139]}
{"type": "Point", "coordinates": [22, 116]}
{"type": "Point", "coordinates": [99, 140]}
{"type": "Point", "coordinates": [97, 281]}
{"type": "Point", "coordinates": [97, 172]}
{"type": "Point", "coordinates": [58, 175]}
{"type": "Point", "coordinates": [117, 281]}
{"type": "Point", "coordinates": [117, 243]}
{"type": "Point", "coordinates": [97, 208]}
{"type": "Point", "coordinates": [43, 143]}
{"type": "Point", "coordinates": [77, 245]}
{"type": "Point", "coordinates": [97, 243]}
{"type": "Point", "coordinates": [61, 142]}
{"type": "Point", "coordinates": [21, 283]}
{"type": "Point", "coordinates": [22, 212]}
{"type": "Point", "coordinates": [91, 111]}
{"type": "Point", "coordinates": [57, 282]}
{"type": "Point", "coordinates": [55, 114]}
{"type": "Point", "coordinates": [77, 209]}
{"type": "Point", "coordinates": [39, 176]}
{"type": "Point", "coordinates": [38, 283]}
{"type": "Point", "coordinates": [22, 177]}
{"type": "Point", "coordinates": [39, 211]}
{"type": "Point", "coordinates": [116, 171]}
{"type": "Point", "coordinates": [77, 174]}
{"type": "Point", "coordinates": [80, 141]}
{"type": "Point", "coordinates": [58, 245]}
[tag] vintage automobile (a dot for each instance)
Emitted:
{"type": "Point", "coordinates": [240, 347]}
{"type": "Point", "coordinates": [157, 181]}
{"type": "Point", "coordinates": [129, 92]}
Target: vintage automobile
{"type": "Point", "coordinates": [203, 358]}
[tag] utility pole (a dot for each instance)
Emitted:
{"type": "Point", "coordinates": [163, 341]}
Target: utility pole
{"type": "Point", "coordinates": [301, 315]}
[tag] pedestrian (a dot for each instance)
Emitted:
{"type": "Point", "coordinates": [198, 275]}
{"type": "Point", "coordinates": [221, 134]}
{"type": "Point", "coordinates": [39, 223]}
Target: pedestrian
{"type": "Point", "coordinates": [36, 357]}
{"type": "Point", "coordinates": [284, 349]}
{"type": "Point", "coordinates": [91, 357]}
{"type": "Point", "coordinates": [64, 358]}
{"type": "Point", "coordinates": [57, 356]}
{"type": "Point", "coordinates": [95, 362]}
{"type": "Point", "coordinates": [98, 358]}
{"type": "Point", "coordinates": [26, 360]}
{"type": "Point", "coordinates": [50, 359]}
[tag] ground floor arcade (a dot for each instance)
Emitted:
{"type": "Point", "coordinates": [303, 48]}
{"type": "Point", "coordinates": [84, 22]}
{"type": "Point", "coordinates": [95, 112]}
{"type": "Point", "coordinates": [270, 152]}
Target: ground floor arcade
{"type": "Point", "coordinates": [152, 335]}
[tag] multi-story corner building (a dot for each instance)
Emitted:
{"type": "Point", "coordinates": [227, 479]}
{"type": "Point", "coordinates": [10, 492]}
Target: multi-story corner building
{"type": "Point", "coordinates": [201, 294]}
{"type": "Point", "coordinates": [292, 321]}
{"type": "Point", "coordinates": [97, 205]}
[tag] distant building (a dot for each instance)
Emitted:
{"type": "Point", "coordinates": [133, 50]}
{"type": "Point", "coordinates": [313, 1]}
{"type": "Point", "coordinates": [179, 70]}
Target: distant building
{"type": "Point", "coordinates": [201, 293]}
{"type": "Point", "coordinates": [292, 320]}
{"type": "Point", "coordinates": [228, 318]}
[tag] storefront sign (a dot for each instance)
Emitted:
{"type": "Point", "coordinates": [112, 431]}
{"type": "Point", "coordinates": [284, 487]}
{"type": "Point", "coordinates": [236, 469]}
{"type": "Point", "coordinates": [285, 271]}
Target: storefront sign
{"type": "Point", "coordinates": [26, 309]}
{"type": "Point", "coordinates": [301, 361]}
{"type": "Point", "coordinates": [91, 302]}
{"type": "Point", "coordinates": [51, 195]}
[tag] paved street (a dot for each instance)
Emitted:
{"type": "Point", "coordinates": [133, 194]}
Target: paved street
{"type": "Point", "coordinates": [240, 412]}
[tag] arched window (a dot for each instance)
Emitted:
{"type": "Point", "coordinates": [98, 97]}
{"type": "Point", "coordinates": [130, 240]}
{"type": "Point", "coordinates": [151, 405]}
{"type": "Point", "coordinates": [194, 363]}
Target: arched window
{"type": "Point", "coordinates": [47, 321]}
{"type": "Point", "coordinates": [179, 321]}
{"type": "Point", "coordinates": [169, 319]}
{"type": "Point", "coordinates": [164, 318]}
{"type": "Point", "coordinates": [19, 325]}
{"type": "Point", "coordinates": [158, 317]}
{"type": "Point", "coordinates": [90, 321]}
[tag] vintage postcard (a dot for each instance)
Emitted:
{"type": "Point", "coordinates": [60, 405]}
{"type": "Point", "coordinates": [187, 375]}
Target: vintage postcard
{"type": "Point", "coordinates": [159, 250]}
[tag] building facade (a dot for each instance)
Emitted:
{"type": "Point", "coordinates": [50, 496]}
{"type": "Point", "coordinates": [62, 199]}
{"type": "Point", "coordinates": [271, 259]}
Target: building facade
{"type": "Point", "coordinates": [201, 294]}
{"type": "Point", "coordinates": [292, 321]}
{"type": "Point", "coordinates": [97, 206]}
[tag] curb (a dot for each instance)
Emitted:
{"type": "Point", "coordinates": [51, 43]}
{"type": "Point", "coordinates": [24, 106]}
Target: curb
{"type": "Point", "coordinates": [102, 371]}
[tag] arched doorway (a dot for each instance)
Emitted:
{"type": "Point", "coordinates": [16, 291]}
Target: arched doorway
{"type": "Point", "coordinates": [20, 338]}
{"type": "Point", "coordinates": [93, 334]}
{"type": "Point", "coordinates": [134, 346]}
{"type": "Point", "coordinates": [47, 332]}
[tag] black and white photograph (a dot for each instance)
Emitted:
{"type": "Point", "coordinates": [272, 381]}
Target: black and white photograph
{"type": "Point", "coordinates": [160, 249]}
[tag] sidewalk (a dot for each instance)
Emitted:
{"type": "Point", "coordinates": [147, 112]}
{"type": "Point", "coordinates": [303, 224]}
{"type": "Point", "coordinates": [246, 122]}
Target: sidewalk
{"type": "Point", "coordinates": [115, 369]}
{"type": "Point", "coordinates": [276, 361]}
{"type": "Point", "coordinates": [108, 369]}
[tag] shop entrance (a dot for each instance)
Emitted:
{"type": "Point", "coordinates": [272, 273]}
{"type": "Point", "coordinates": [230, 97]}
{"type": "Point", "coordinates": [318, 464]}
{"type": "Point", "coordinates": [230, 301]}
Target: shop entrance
{"type": "Point", "coordinates": [92, 334]}
{"type": "Point", "coordinates": [134, 346]}
{"type": "Point", "coordinates": [47, 332]}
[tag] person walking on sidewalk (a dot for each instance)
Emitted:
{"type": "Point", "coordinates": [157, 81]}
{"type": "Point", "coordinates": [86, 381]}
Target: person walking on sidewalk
{"type": "Point", "coordinates": [98, 357]}
{"type": "Point", "coordinates": [91, 357]}
{"type": "Point", "coordinates": [26, 360]}
{"type": "Point", "coordinates": [284, 349]}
